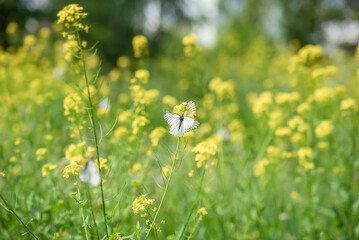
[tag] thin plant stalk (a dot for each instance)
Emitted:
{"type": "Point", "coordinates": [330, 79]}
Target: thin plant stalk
{"type": "Point", "coordinates": [166, 188]}
{"type": "Point", "coordinates": [92, 211]}
{"type": "Point", "coordinates": [92, 119]}
{"type": "Point", "coordinates": [193, 205]}
{"type": "Point", "coordinates": [83, 216]}
{"type": "Point", "coordinates": [149, 214]}
{"type": "Point", "coordinates": [17, 216]}
{"type": "Point", "coordinates": [195, 228]}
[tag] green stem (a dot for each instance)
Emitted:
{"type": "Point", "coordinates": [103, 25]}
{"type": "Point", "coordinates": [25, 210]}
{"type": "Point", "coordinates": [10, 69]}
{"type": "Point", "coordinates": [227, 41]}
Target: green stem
{"type": "Point", "coordinates": [166, 188]}
{"type": "Point", "coordinates": [92, 211]}
{"type": "Point", "coordinates": [82, 214]}
{"type": "Point", "coordinates": [149, 214]}
{"type": "Point", "coordinates": [17, 216]}
{"type": "Point", "coordinates": [195, 228]}
{"type": "Point", "coordinates": [92, 118]}
{"type": "Point", "coordinates": [194, 204]}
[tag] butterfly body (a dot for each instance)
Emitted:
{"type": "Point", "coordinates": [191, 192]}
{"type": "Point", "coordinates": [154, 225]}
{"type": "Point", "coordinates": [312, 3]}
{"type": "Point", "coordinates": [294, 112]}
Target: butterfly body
{"type": "Point", "coordinates": [181, 124]}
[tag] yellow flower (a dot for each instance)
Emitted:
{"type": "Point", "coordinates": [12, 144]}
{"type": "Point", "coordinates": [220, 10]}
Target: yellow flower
{"type": "Point", "coordinates": [71, 15]}
{"type": "Point", "coordinates": [223, 89]}
{"type": "Point", "coordinates": [72, 168]}
{"type": "Point", "coordinates": [2, 174]}
{"type": "Point", "coordinates": [283, 98]}
{"type": "Point", "coordinates": [124, 116]}
{"type": "Point", "coordinates": [123, 98]}
{"type": "Point", "coordinates": [123, 62]}
{"type": "Point", "coordinates": [114, 74]}
{"type": "Point", "coordinates": [305, 153]}
{"type": "Point", "coordinates": [323, 94]}
{"type": "Point", "coordinates": [156, 135]}
{"type": "Point", "coordinates": [136, 167]}
{"type": "Point", "coordinates": [179, 109]}
{"type": "Point", "coordinates": [206, 149]}
{"type": "Point", "coordinates": [324, 129]}
{"type": "Point", "coordinates": [73, 106]}
{"type": "Point", "coordinates": [140, 46]}
{"type": "Point", "coordinates": [142, 75]}
{"type": "Point", "coordinates": [120, 133]}
{"type": "Point", "coordinates": [74, 153]}
{"type": "Point", "coordinates": [191, 173]}
{"type": "Point", "coordinates": [29, 40]}
{"type": "Point", "coordinates": [138, 123]}
{"type": "Point", "coordinates": [45, 170]}
{"type": "Point", "coordinates": [282, 131]}
{"type": "Point", "coordinates": [169, 100]}
{"type": "Point", "coordinates": [90, 152]}
{"type": "Point", "coordinates": [103, 162]}
{"type": "Point", "coordinates": [347, 106]}
{"type": "Point", "coordinates": [18, 141]}
{"type": "Point", "coordinates": [141, 203]}
{"type": "Point", "coordinates": [303, 108]}
{"type": "Point", "coordinates": [202, 212]}
{"type": "Point", "coordinates": [40, 153]}
{"type": "Point", "coordinates": [260, 103]}
{"type": "Point", "coordinates": [324, 72]}
{"type": "Point", "coordinates": [310, 53]}
{"type": "Point", "coordinates": [295, 196]}
{"type": "Point", "coordinates": [259, 168]}
{"type": "Point", "coordinates": [11, 28]}
{"type": "Point", "coordinates": [190, 44]}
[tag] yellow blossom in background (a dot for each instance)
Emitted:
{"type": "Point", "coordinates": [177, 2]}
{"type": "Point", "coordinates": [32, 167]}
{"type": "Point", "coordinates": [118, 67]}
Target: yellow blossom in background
{"type": "Point", "coordinates": [140, 46]}
{"type": "Point", "coordinates": [44, 33]}
{"type": "Point", "coordinates": [45, 170]}
{"type": "Point", "coordinates": [323, 94]}
{"type": "Point", "coordinates": [156, 135]}
{"type": "Point", "coordinates": [305, 153]}
{"type": "Point", "coordinates": [123, 98]}
{"type": "Point", "coordinates": [223, 89]}
{"type": "Point", "coordinates": [138, 123]}
{"type": "Point", "coordinates": [142, 75]}
{"type": "Point", "coordinates": [123, 62]}
{"type": "Point", "coordinates": [282, 131]}
{"type": "Point", "coordinates": [75, 153]}
{"type": "Point", "coordinates": [169, 100]}
{"type": "Point", "coordinates": [18, 141]}
{"type": "Point", "coordinates": [141, 203]}
{"type": "Point", "coordinates": [260, 103]}
{"type": "Point", "coordinates": [283, 98]}
{"type": "Point", "coordinates": [114, 75]}
{"type": "Point", "coordinates": [295, 196]}
{"type": "Point", "coordinates": [324, 129]}
{"type": "Point", "coordinates": [2, 174]}
{"type": "Point", "coordinates": [73, 169]}
{"type": "Point", "coordinates": [206, 149]}
{"type": "Point", "coordinates": [40, 153]}
{"type": "Point", "coordinates": [190, 44]}
{"type": "Point", "coordinates": [11, 28]}
{"type": "Point", "coordinates": [103, 162]}
{"type": "Point", "coordinates": [136, 167]}
{"type": "Point", "coordinates": [120, 133]}
{"type": "Point", "coordinates": [179, 109]}
{"type": "Point", "coordinates": [322, 145]}
{"type": "Point", "coordinates": [73, 106]}
{"type": "Point", "coordinates": [191, 173]}
{"type": "Point", "coordinates": [202, 212]}
{"type": "Point", "coordinates": [347, 106]}
{"type": "Point", "coordinates": [327, 71]}
{"type": "Point", "coordinates": [124, 116]}
{"type": "Point", "coordinates": [90, 152]}
{"type": "Point", "coordinates": [303, 108]}
{"type": "Point", "coordinates": [259, 168]}
{"type": "Point", "coordinates": [310, 54]}
{"type": "Point", "coordinates": [273, 152]}
{"type": "Point", "coordinates": [12, 159]}
{"type": "Point", "coordinates": [275, 118]}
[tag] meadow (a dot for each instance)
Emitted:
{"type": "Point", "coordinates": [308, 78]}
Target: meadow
{"type": "Point", "coordinates": [275, 155]}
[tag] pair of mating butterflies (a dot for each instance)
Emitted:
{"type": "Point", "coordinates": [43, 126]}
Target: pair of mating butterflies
{"type": "Point", "coordinates": [180, 124]}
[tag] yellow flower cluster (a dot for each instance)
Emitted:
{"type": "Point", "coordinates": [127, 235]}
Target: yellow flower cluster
{"type": "Point", "coordinates": [169, 100]}
{"type": "Point", "coordinates": [206, 149]}
{"type": "Point", "coordinates": [324, 129]}
{"type": "Point", "coordinates": [141, 203]}
{"type": "Point", "coordinates": [348, 106]}
{"type": "Point", "coordinates": [11, 28]}
{"type": "Point", "coordinates": [202, 212]}
{"type": "Point", "coordinates": [40, 153]}
{"type": "Point", "coordinates": [73, 106]}
{"type": "Point", "coordinates": [123, 62]}
{"type": "Point", "coordinates": [120, 133]}
{"type": "Point", "coordinates": [305, 158]}
{"type": "Point", "coordinates": [284, 98]}
{"type": "Point", "coordinates": [71, 15]}
{"type": "Point", "coordinates": [259, 168]}
{"type": "Point", "coordinates": [140, 46]}
{"type": "Point", "coordinates": [75, 153]}
{"type": "Point", "coordinates": [322, 95]}
{"type": "Point", "coordinates": [142, 76]}
{"type": "Point", "coordinates": [260, 103]}
{"type": "Point", "coordinates": [156, 135]}
{"type": "Point", "coordinates": [180, 109]}
{"type": "Point", "coordinates": [307, 55]}
{"type": "Point", "coordinates": [190, 44]}
{"type": "Point", "coordinates": [223, 89]}
{"type": "Point", "coordinates": [72, 168]}
{"type": "Point", "coordinates": [45, 170]}
{"type": "Point", "coordinates": [324, 72]}
{"type": "Point", "coordinates": [142, 97]}
{"type": "Point", "coordinates": [138, 123]}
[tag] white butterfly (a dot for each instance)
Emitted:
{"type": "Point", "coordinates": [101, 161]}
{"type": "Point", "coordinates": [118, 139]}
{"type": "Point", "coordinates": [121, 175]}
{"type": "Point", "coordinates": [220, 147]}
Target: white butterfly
{"type": "Point", "coordinates": [90, 173]}
{"type": "Point", "coordinates": [181, 124]}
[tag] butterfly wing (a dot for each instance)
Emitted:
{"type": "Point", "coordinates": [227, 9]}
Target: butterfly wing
{"type": "Point", "coordinates": [90, 173]}
{"type": "Point", "coordinates": [190, 108]}
{"type": "Point", "coordinates": [174, 121]}
{"type": "Point", "coordinates": [189, 124]}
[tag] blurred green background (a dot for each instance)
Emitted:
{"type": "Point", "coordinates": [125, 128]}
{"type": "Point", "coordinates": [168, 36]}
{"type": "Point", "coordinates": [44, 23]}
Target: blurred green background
{"type": "Point", "coordinates": [115, 22]}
